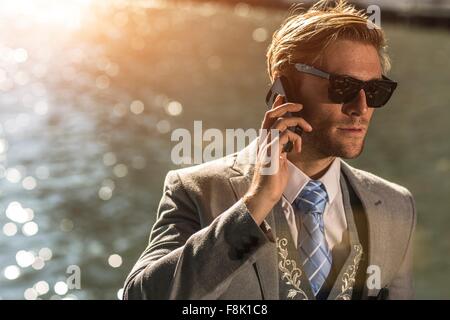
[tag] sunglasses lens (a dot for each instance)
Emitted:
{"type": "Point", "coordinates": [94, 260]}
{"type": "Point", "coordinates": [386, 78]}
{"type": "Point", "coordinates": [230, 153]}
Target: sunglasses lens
{"type": "Point", "coordinates": [343, 89]}
{"type": "Point", "coordinates": [378, 92]}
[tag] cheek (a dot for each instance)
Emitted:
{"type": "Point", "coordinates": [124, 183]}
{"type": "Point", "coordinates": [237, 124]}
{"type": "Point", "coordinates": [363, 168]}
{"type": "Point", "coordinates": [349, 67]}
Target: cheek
{"type": "Point", "coordinates": [325, 116]}
{"type": "Point", "coordinates": [369, 114]}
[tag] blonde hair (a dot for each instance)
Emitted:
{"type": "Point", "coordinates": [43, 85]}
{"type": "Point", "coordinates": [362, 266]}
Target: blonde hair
{"type": "Point", "coordinates": [305, 35]}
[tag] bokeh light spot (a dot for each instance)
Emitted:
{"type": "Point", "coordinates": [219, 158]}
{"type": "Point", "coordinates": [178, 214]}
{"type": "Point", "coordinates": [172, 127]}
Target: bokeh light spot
{"type": "Point", "coordinates": [163, 126]}
{"type": "Point", "coordinates": [30, 228]}
{"type": "Point", "coordinates": [115, 260]}
{"type": "Point", "coordinates": [24, 258]}
{"type": "Point", "coordinates": [174, 108]}
{"type": "Point", "coordinates": [29, 183]}
{"type": "Point", "coordinates": [60, 288]}
{"type": "Point", "coordinates": [42, 172]}
{"type": "Point", "coordinates": [45, 254]}
{"type": "Point", "coordinates": [9, 229]}
{"type": "Point", "coordinates": [109, 159]}
{"type": "Point", "coordinates": [11, 272]}
{"type": "Point", "coordinates": [120, 170]}
{"type": "Point", "coordinates": [42, 287]}
{"type": "Point", "coordinates": [105, 193]}
{"type": "Point", "coordinates": [38, 263]}
{"type": "Point", "coordinates": [13, 175]}
{"type": "Point", "coordinates": [260, 34]}
{"type": "Point", "coordinates": [17, 213]}
{"type": "Point", "coordinates": [137, 107]}
{"type": "Point", "coordinates": [30, 294]}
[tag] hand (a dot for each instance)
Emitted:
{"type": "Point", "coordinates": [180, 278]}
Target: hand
{"type": "Point", "coordinates": [266, 189]}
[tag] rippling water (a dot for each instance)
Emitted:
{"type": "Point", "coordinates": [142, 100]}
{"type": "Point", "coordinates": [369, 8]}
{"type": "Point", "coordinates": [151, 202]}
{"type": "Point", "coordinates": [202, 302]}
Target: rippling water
{"type": "Point", "coordinates": [80, 148]}
{"type": "Point", "coordinates": [89, 95]}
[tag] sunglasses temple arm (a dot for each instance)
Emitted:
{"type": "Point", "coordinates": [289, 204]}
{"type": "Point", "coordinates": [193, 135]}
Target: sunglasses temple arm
{"type": "Point", "coordinates": [311, 70]}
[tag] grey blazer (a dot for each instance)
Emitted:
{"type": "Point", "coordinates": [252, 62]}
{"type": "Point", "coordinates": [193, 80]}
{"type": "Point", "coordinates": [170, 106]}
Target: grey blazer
{"type": "Point", "coordinates": [205, 245]}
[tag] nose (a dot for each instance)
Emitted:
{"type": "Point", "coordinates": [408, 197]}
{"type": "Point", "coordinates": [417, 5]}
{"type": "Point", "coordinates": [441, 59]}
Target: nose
{"type": "Point", "coordinates": [358, 107]}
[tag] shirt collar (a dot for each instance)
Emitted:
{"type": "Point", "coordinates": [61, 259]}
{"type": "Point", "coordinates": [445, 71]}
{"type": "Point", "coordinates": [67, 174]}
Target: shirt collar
{"type": "Point", "coordinates": [298, 180]}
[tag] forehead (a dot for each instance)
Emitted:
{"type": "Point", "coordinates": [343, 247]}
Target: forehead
{"type": "Point", "coordinates": [356, 59]}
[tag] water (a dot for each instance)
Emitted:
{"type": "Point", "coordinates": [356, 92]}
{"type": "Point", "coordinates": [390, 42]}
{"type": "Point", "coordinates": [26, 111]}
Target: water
{"type": "Point", "coordinates": [81, 152]}
{"type": "Point", "coordinates": [85, 122]}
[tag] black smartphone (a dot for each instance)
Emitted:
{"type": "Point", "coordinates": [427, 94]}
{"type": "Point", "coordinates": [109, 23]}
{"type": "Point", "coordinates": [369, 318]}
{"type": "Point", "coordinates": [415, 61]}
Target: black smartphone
{"type": "Point", "coordinates": [282, 86]}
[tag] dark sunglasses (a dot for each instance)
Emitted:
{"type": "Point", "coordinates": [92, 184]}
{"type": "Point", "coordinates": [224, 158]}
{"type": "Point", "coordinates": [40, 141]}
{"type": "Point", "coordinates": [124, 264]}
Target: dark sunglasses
{"type": "Point", "coordinates": [344, 89]}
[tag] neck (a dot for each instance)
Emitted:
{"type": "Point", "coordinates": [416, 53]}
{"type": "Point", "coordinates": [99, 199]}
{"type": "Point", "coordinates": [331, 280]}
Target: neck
{"type": "Point", "coordinates": [311, 166]}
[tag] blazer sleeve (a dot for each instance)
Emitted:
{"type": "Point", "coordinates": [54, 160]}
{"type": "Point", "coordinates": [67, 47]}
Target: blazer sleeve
{"type": "Point", "coordinates": [185, 261]}
{"type": "Point", "coordinates": [401, 287]}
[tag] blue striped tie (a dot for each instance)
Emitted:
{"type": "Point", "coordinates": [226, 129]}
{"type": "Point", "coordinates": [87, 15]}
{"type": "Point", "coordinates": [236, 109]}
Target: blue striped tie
{"type": "Point", "coordinates": [314, 253]}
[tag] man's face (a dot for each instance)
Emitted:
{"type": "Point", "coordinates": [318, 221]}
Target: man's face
{"type": "Point", "coordinates": [338, 129]}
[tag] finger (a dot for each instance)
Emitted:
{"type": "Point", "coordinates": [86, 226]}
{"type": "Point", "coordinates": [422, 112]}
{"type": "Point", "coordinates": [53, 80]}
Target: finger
{"type": "Point", "coordinates": [288, 135]}
{"type": "Point", "coordinates": [283, 123]}
{"type": "Point", "coordinates": [280, 110]}
{"type": "Point", "coordinates": [279, 100]}
{"type": "Point", "coordinates": [282, 139]}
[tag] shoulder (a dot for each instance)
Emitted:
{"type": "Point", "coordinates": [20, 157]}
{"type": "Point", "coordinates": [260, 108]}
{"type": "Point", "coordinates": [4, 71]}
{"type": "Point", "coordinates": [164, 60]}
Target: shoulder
{"type": "Point", "coordinates": [205, 175]}
{"type": "Point", "coordinates": [397, 209]}
{"type": "Point", "coordinates": [387, 186]}
{"type": "Point", "coordinates": [396, 197]}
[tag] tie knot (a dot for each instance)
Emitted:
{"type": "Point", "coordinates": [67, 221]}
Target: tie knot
{"type": "Point", "coordinates": [313, 198]}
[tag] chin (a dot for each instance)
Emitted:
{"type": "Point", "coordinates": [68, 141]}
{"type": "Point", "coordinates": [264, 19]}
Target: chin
{"type": "Point", "coordinates": [350, 151]}
{"type": "Point", "coordinates": [332, 146]}
{"type": "Point", "coordinates": [350, 155]}
{"type": "Point", "coordinates": [343, 149]}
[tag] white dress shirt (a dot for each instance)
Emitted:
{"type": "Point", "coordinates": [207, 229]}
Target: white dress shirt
{"type": "Point", "coordinates": [335, 223]}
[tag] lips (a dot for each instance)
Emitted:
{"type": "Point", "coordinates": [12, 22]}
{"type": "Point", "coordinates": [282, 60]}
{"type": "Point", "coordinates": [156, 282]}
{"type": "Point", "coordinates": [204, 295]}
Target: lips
{"type": "Point", "coordinates": [353, 130]}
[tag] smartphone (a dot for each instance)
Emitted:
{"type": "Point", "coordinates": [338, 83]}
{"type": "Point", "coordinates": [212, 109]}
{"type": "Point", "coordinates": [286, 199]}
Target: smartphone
{"type": "Point", "coordinates": [282, 86]}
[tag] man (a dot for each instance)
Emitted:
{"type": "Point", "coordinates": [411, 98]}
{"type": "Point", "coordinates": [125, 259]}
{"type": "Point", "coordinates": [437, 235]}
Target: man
{"type": "Point", "coordinates": [316, 228]}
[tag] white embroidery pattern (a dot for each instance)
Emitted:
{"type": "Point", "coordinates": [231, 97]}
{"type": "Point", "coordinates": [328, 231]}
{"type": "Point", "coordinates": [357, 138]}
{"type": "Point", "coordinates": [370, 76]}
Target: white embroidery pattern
{"type": "Point", "coordinates": [289, 270]}
{"type": "Point", "coordinates": [349, 276]}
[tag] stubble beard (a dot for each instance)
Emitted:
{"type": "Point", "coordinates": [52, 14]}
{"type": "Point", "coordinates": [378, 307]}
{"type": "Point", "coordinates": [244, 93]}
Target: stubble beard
{"type": "Point", "coordinates": [325, 146]}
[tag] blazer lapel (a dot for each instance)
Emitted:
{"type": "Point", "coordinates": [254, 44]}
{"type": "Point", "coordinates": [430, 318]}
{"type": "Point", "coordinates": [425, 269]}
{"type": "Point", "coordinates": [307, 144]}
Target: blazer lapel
{"type": "Point", "coordinates": [346, 278]}
{"type": "Point", "coordinates": [377, 220]}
